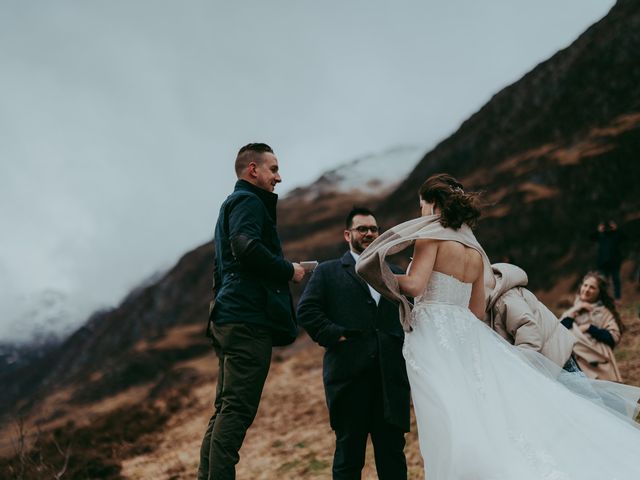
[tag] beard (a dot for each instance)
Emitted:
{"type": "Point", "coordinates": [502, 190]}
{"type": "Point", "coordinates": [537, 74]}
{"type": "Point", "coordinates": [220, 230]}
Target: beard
{"type": "Point", "coordinates": [358, 246]}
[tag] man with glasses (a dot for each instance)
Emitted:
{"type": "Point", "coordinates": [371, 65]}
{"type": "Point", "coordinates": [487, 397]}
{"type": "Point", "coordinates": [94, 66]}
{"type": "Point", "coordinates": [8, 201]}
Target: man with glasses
{"type": "Point", "coordinates": [364, 374]}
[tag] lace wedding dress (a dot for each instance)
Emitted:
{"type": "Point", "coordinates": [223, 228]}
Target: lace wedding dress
{"type": "Point", "coordinates": [489, 411]}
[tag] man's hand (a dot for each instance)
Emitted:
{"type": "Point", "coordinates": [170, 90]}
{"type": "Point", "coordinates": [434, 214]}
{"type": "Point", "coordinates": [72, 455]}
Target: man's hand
{"type": "Point", "coordinates": [298, 273]}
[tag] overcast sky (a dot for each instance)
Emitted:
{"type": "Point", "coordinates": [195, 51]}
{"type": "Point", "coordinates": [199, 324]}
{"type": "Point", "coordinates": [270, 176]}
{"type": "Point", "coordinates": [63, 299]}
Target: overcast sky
{"type": "Point", "coordinates": [120, 120]}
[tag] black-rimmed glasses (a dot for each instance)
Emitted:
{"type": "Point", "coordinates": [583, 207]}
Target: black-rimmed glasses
{"type": "Point", "coordinates": [363, 229]}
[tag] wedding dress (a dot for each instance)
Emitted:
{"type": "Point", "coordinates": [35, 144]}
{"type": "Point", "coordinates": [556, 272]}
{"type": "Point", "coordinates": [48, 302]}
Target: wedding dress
{"type": "Point", "coordinates": [489, 411]}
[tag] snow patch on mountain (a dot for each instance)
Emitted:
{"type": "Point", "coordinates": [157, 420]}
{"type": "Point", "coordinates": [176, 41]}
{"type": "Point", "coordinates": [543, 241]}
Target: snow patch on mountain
{"type": "Point", "coordinates": [45, 320]}
{"type": "Point", "coordinates": [374, 174]}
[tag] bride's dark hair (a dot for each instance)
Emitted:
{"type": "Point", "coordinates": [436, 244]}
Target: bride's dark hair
{"type": "Point", "coordinates": [456, 206]}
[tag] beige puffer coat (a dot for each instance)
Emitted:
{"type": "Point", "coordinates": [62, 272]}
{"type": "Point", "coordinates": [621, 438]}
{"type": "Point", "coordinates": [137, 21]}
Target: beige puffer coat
{"type": "Point", "coordinates": [520, 318]}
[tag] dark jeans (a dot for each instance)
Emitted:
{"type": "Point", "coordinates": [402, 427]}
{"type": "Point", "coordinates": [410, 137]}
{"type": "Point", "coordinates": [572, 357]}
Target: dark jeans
{"type": "Point", "coordinates": [571, 366]}
{"type": "Point", "coordinates": [612, 272]}
{"type": "Point", "coordinates": [244, 356]}
{"type": "Point", "coordinates": [362, 414]}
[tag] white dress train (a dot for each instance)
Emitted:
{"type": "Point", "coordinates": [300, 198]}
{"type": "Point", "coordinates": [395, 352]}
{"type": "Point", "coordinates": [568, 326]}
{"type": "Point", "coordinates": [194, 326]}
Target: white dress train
{"type": "Point", "coordinates": [488, 411]}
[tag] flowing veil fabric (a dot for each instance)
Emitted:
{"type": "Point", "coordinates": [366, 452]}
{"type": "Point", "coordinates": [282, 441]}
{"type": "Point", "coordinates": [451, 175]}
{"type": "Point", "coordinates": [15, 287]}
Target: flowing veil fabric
{"type": "Point", "coordinates": [487, 410]}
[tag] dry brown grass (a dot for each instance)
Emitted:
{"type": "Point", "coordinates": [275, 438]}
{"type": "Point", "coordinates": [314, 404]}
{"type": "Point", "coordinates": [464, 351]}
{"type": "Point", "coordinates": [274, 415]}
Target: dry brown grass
{"type": "Point", "coordinates": [290, 439]}
{"type": "Point", "coordinates": [628, 352]}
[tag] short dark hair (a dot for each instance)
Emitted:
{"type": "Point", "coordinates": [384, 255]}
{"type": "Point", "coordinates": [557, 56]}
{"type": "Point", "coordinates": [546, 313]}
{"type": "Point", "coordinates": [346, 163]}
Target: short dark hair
{"type": "Point", "coordinates": [356, 211]}
{"type": "Point", "coordinates": [250, 153]}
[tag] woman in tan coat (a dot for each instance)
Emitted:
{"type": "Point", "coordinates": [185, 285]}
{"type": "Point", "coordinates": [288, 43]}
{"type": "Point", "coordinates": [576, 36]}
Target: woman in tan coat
{"type": "Point", "coordinates": [596, 324]}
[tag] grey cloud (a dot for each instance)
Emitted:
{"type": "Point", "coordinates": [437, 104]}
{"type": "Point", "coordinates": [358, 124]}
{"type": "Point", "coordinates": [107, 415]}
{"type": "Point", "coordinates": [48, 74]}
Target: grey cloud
{"type": "Point", "coordinates": [119, 120]}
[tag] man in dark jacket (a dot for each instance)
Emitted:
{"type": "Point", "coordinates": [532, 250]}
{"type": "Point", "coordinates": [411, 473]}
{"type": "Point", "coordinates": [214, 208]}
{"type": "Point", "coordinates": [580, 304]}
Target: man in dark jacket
{"type": "Point", "coordinates": [364, 374]}
{"type": "Point", "coordinates": [252, 309]}
{"type": "Point", "coordinates": [609, 257]}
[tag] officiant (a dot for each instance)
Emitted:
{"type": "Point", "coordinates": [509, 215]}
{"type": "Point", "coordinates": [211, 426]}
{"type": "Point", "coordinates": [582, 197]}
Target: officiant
{"type": "Point", "coordinates": [365, 379]}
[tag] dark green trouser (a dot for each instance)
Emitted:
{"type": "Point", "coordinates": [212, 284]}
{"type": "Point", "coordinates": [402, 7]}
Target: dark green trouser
{"type": "Point", "coordinates": [244, 356]}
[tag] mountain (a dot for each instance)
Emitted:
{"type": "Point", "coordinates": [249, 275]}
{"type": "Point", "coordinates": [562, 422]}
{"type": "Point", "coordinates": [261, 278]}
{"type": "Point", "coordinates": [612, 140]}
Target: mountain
{"type": "Point", "coordinates": [110, 340]}
{"type": "Point", "coordinates": [310, 218]}
{"type": "Point", "coordinates": [107, 341]}
{"type": "Point", "coordinates": [554, 153]}
{"type": "Point", "coordinates": [45, 321]}
{"type": "Point", "coordinates": [376, 174]}
{"type": "Point", "coordinates": [125, 349]}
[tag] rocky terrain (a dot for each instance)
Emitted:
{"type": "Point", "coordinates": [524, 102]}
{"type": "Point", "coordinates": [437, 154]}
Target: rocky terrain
{"type": "Point", "coordinates": [128, 394]}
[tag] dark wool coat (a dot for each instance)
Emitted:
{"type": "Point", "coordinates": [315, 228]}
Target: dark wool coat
{"type": "Point", "coordinates": [337, 302]}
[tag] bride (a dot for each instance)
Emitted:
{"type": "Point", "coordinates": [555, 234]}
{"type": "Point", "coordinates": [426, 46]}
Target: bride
{"type": "Point", "coordinates": [487, 410]}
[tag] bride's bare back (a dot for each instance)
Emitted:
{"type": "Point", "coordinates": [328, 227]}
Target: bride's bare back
{"type": "Point", "coordinates": [458, 260]}
{"type": "Point", "coordinates": [448, 257]}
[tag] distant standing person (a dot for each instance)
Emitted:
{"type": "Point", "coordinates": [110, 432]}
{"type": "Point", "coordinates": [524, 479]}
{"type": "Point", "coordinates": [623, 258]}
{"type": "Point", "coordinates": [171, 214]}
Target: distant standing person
{"type": "Point", "coordinates": [252, 309]}
{"type": "Point", "coordinates": [609, 256]}
{"type": "Point", "coordinates": [364, 373]}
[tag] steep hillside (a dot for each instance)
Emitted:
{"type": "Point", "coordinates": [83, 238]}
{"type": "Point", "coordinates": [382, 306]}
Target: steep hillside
{"type": "Point", "coordinates": [130, 391]}
{"type": "Point", "coordinates": [555, 152]}
{"type": "Point", "coordinates": [310, 218]}
{"type": "Point", "coordinates": [107, 342]}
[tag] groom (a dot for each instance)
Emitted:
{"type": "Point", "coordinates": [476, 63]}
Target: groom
{"type": "Point", "coordinates": [364, 374]}
{"type": "Point", "coordinates": [252, 310]}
